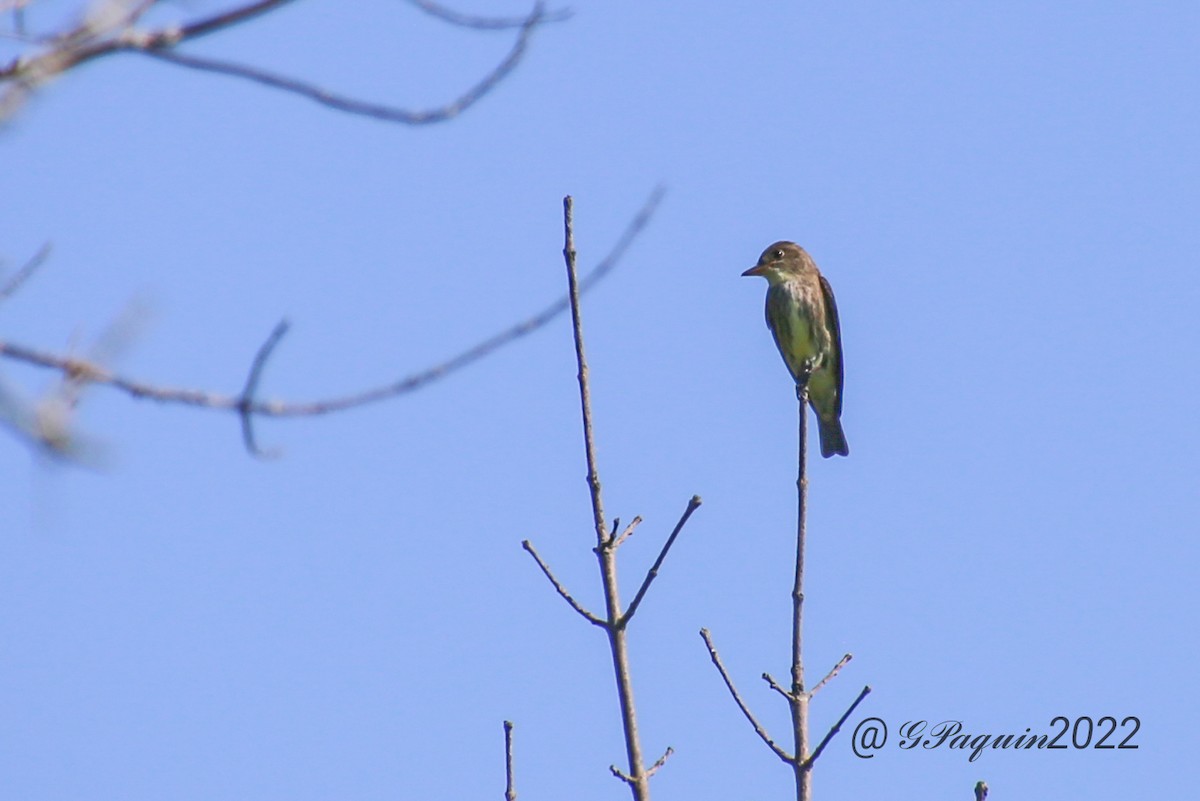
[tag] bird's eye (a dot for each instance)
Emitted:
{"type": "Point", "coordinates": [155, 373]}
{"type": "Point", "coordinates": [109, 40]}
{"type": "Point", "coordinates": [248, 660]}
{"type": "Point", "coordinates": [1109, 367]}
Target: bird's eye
{"type": "Point", "coordinates": [779, 253]}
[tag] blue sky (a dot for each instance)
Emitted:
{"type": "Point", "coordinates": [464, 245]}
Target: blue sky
{"type": "Point", "coordinates": [1004, 199]}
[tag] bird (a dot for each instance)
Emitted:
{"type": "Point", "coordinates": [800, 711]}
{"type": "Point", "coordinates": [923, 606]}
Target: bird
{"type": "Point", "coordinates": [803, 318]}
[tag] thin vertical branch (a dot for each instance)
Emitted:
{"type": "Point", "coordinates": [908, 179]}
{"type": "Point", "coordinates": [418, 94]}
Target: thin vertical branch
{"type": "Point", "coordinates": [510, 787]}
{"type": "Point", "coordinates": [585, 396]}
{"type": "Point", "coordinates": [797, 696]}
{"type": "Point", "coordinates": [798, 699]}
{"type": "Point", "coordinates": [606, 553]}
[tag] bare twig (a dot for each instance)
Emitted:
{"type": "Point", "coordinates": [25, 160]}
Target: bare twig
{"type": "Point", "coordinates": [628, 532]}
{"type": "Point", "coordinates": [776, 686]}
{"type": "Point", "coordinates": [246, 401]}
{"type": "Point", "coordinates": [483, 23]}
{"type": "Point", "coordinates": [845, 660]}
{"type": "Point", "coordinates": [658, 763]}
{"type": "Point", "coordinates": [620, 774]}
{"type": "Point", "coordinates": [652, 574]}
{"type": "Point", "coordinates": [807, 766]}
{"type": "Point", "coordinates": [23, 273]}
{"type": "Point", "coordinates": [737, 697]}
{"type": "Point", "coordinates": [98, 374]}
{"type": "Point", "coordinates": [560, 589]}
{"type": "Point", "coordinates": [510, 787]}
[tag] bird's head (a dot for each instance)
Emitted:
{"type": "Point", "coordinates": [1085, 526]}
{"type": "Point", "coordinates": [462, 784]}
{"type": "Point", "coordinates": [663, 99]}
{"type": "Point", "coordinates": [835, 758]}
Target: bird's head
{"type": "Point", "coordinates": [778, 261]}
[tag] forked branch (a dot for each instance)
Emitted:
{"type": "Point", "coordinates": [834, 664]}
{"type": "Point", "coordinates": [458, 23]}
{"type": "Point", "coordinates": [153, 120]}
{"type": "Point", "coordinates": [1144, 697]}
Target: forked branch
{"type": "Point", "coordinates": [110, 27]}
{"type": "Point", "coordinates": [614, 621]}
{"type": "Point", "coordinates": [246, 404]}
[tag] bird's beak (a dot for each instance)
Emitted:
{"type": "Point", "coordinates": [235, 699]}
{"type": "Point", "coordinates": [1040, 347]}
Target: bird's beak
{"type": "Point", "coordinates": [757, 269]}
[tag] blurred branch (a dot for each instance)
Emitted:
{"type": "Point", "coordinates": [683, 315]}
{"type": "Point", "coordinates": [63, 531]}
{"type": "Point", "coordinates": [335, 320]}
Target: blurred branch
{"type": "Point", "coordinates": [87, 371]}
{"type": "Point", "coordinates": [109, 27]}
{"type": "Point", "coordinates": [246, 401]}
{"type": "Point", "coordinates": [48, 422]}
{"type": "Point", "coordinates": [480, 22]}
{"type": "Point", "coordinates": [10, 287]}
{"type": "Point", "coordinates": [362, 107]}
{"type": "Point", "coordinates": [18, 14]}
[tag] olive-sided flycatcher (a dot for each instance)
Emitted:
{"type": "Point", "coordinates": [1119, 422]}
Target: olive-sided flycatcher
{"type": "Point", "coordinates": [803, 318]}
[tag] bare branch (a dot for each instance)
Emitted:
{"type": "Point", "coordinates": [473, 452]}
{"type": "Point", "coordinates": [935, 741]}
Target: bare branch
{"type": "Point", "coordinates": [107, 29]}
{"type": "Point", "coordinates": [224, 19]}
{"type": "Point", "coordinates": [662, 760]}
{"type": "Point", "coordinates": [578, 607]}
{"type": "Point", "coordinates": [246, 401]}
{"type": "Point", "coordinates": [798, 703]}
{"type": "Point", "coordinates": [98, 374]}
{"type": "Point", "coordinates": [351, 105]}
{"type": "Point", "coordinates": [114, 32]}
{"type": "Point", "coordinates": [692, 506]}
{"type": "Point", "coordinates": [26, 270]}
{"type": "Point", "coordinates": [483, 23]}
{"type": "Point", "coordinates": [510, 787]}
{"type": "Point", "coordinates": [836, 728]}
{"type": "Point", "coordinates": [845, 660]}
{"type": "Point", "coordinates": [605, 550]}
{"type": "Point", "coordinates": [758, 729]}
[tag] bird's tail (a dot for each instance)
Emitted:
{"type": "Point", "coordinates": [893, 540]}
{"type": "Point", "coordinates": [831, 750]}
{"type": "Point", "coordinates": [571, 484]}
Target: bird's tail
{"type": "Point", "coordinates": [833, 439]}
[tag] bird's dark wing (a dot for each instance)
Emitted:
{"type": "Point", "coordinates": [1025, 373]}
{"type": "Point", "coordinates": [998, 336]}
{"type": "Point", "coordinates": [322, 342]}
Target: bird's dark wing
{"type": "Point", "coordinates": [835, 328]}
